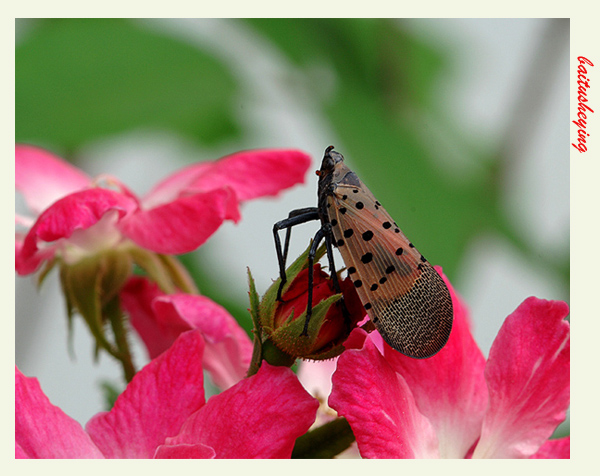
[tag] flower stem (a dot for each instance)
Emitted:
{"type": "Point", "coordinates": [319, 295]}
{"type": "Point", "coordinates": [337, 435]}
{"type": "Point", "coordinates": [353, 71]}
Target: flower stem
{"type": "Point", "coordinates": [325, 441]}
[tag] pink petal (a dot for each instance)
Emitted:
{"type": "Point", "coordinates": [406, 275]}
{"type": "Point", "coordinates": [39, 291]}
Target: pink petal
{"type": "Point", "coordinates": [316, 376]}
{"type": "Point", "coordinates": [555, 449]}
{"type": "Point", "coordinates": [43, 178]}
{"type": "Point", "coordinates": [154, 405]}
{"type": "Point", "coordinates": [449, 388]}
{"type": "Point", "coordinates": [184, 452]}
{"type": "Point", "coordinates": [259, 417]}
{"type": "Point", "coordinates": [528, 375]}
{"type": "Point", "coordinates": [43, 430]}
{"type": "Point", "coordinates": [380, 407]}
{"type": "Point", "coordinates": [20, 452]}
{"type": "Point", "coordinates": [250, 174]}
{"type": "Point", "coordinates": [180, 226]}
{"type": "Point", "coordinates": [136, 298]}
{"type": "Point", "coordinates": [77, 211]}
{"type": "Point", "coordinates": [228, 348]}
{"type": "Point", "coordinates": [25, 264]}
{"type": "Point", "coordinates": [160, 318]}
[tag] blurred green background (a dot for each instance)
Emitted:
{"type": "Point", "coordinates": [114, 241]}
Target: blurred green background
{"type": "Point", "coordinates": [459, 127]}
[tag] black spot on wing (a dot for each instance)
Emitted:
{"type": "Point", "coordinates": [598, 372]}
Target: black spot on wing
{"type": "Point", "coordinates": [367, 258]}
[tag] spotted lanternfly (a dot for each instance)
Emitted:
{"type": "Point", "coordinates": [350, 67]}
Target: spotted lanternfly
{"type": "Point", "coordinates": [404, 296]}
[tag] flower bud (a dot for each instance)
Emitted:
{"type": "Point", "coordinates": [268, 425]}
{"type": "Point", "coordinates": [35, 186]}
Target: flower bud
{"type": "Point", "coordinates": [333, 315]}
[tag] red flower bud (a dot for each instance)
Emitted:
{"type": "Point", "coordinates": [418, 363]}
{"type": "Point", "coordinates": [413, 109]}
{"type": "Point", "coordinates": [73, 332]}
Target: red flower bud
{"type": "Point", "coordinates": [280, 323]}
{"type": "Point", "coordinates": [335, 326]}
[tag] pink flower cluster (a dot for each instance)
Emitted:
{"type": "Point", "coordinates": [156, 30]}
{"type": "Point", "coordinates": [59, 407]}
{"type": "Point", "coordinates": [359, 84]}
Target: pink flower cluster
{"type": "Point", "coordinates": [453, 405]}
{"type": "Point", "coordinates": [163, 414]}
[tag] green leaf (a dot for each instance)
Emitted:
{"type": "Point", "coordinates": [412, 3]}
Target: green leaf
{"type": "Point", "coordinates": [384, 78]}
{"type": "Point", "coordinates": [81, 79]}
{"type": "Point", "coordinates": [370, 55]}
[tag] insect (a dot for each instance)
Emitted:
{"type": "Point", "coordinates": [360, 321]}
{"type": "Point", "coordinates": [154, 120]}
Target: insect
{"type": "Point", "coordinates": [406, 299]}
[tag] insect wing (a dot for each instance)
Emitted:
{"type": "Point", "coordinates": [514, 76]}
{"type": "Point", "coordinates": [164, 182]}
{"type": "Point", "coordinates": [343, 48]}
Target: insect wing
{"type": "Point", "coordinates": [405, 297]}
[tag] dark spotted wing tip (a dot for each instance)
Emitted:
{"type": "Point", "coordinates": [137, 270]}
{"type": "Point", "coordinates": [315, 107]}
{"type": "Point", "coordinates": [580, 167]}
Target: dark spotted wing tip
{"type": "Point", "coordinates": [418, 324]}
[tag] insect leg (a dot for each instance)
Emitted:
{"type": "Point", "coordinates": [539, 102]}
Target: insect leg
{"type": "Point", "coordinates": [296, 217]}
{"type": "Point", "coordinates": [288, 231]}
{"type": "Point", "coordinates": [311, 261]}
{"type": "Point", "coordinates": [329, 247]}
{"type": "Point", "coordinates": [333, 270]}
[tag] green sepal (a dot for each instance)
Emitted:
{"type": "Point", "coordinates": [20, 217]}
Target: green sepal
{"type": "Point", "coordinates": [272, 354]}
{"type": "Point", "coordinates": [257, 328]}
{"type": "Point", "coordinates": [268, 303]}
{"type": "Point", "coordinates": [288, 337]}
{"type": "Point", "coordinates": [81, 286]}
{"type": "Point", "coordinates": [47, 267]}
{"type": "Point", "coordinates": [91, 287]}
{"type": "Point", "coordinates": [165, 270]}
{"type": "Point", "coordinates": [324, 354]}
{"type": "Point", "coordinates": [178, 274]}
{"type": "Point", "coordinates": [70, 313]}
{"type": "Point", "coordinates": [154, 267]}
{"type": "Point", "coordinates": [114, 270]}
{"type": "Point", "coordinates": [112, 312]}
{"type": "Point", "coordinates": [254, 301]}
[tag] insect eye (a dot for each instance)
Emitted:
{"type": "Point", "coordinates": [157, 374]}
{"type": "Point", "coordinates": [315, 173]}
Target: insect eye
{"type": "Point", "coordinates": [327, 164]}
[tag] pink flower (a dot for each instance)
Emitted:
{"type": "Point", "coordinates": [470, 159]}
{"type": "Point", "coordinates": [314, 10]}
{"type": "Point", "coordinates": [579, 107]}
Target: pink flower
{"type": "Point", "coordinates": [455, 404]}
{"type": "Point", "coordinates": [160, 318]}
{"type": "Point", "coordinates": [74, 217]}
{"type": "Point", "coordinates": [163, 414]}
